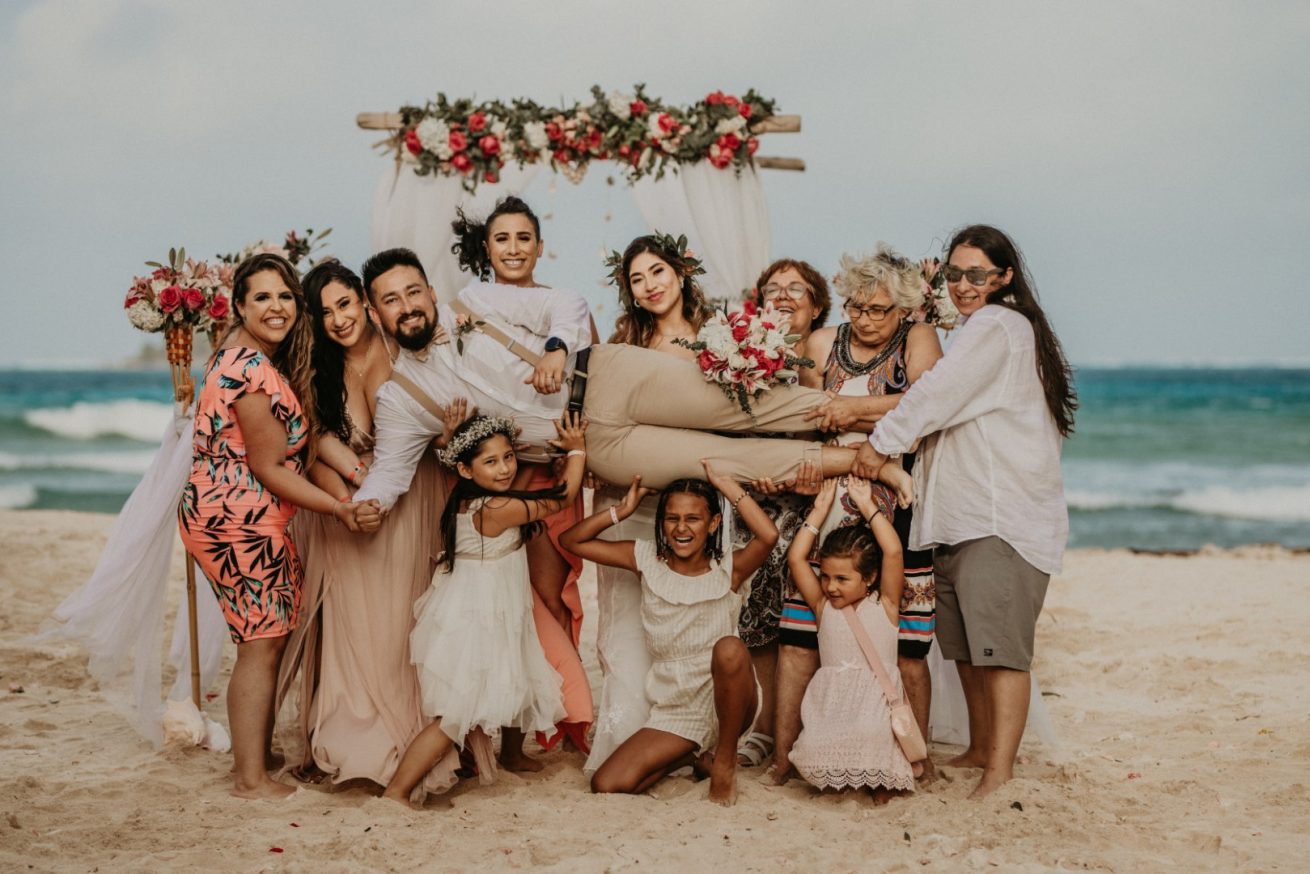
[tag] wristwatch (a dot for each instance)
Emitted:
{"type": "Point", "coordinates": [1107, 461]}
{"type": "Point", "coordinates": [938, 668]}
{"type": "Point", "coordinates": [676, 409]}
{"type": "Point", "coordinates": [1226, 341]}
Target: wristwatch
{"type": "Point", "coordinates": [554, 343]}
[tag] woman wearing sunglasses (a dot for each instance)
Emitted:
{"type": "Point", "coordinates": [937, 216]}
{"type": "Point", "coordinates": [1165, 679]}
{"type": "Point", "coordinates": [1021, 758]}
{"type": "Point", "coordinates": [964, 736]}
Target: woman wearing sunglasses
{"type": "Point", "coordinates": [989, 489]}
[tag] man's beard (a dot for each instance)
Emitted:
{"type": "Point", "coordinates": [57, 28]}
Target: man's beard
{"type": "Point", "coordinates": [418, 339]}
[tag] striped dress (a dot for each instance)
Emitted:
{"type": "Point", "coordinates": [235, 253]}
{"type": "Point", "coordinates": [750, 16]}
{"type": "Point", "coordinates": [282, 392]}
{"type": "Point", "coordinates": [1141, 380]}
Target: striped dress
{"type": "Point", "coordinates": [683, 618]}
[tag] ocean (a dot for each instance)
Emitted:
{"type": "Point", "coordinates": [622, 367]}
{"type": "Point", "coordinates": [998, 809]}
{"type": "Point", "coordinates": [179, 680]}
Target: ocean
{"type": "Point", "coordinates": [1162, 459]}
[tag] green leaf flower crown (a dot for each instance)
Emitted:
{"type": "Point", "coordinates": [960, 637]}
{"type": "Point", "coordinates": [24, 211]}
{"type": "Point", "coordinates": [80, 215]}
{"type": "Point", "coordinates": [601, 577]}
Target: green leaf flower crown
{"type": "Point", "coordinates": [680, 258]}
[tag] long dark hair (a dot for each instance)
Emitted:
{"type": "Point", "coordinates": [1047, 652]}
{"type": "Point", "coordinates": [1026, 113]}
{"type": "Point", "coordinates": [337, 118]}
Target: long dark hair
{"type": "Point", "coordinates": [330, 356]}
{"type": "Point", "coordinates": [1021, 296]}
{"type": "Point", "coordinates": [698, 488]}
{"type": "Point", "coordinates": [857, 543]}
{"type": "Point", "coordinates": [635, 326]}
{"type": "Point", "coordinates": [471, 235]}
{"type": "Point", "coordinates": [467, 490]}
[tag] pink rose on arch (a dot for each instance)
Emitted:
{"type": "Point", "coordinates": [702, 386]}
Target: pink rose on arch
{"type": "Point", "coordinates": [553, 131]}
{"type": "Point", "coordinates": [752, 145]}
{"type": "Point", "coordinates": [457, 141]}
{"type": "Point", "coordinates": [667, 123]}
{"type": "Point", "coordinates": [462, 162]}
{"type": "Point", "coordinates": [477, 122]}
{"type": "Point", "coordinates": [489, 145]}
{"type": "Point", "coordinates": [219, 309]}
{"type": "Point", "coordinates": [638, 107]}
{"type": "Point", "coordinates": [193, 299]}
{"type": "Point", "coordinates": [491, 177]}
{"type": "Point", "coordinates": [412, 142]}
{"type": "Point", "coordinates": [170, 298]}
{"type": "Point", "coordinates": [715, 98]}
{"type": "Point", "coordinates": [730, 142]}
{"type": "Point", "coordinates": [744, 110]}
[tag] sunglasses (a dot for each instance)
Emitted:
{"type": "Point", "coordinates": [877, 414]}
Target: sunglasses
{"type": "Point", "coordinates": [855, 311]}
{"type": "Point", "coordinates": [976, 275]}
{"type": "Point", "coordinates": [795, 291]}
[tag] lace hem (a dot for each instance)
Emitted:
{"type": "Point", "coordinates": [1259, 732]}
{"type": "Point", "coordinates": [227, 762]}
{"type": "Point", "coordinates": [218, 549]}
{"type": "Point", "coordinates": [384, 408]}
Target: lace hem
{"type": "Point", "coordinates": [847, 778]}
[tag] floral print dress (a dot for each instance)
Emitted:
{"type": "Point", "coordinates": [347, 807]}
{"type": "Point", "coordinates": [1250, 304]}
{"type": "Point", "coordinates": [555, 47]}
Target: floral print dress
{"type": "Point", "coordinates": [234, 527]}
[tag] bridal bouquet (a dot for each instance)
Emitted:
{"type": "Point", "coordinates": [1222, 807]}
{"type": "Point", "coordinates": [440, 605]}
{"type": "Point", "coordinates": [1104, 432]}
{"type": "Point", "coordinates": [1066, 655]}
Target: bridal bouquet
{"type": "Point", "coordinates": [746, 352]}
{"type": "Point", "coordinates": [182, 293]}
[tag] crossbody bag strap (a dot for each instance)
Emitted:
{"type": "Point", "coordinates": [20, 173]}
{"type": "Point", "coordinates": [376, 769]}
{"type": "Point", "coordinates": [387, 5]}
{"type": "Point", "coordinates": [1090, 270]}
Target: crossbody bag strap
{"type": "Point", "coordinates": [875, 663]}
{"type": "Point", "coordinates": [424, 399]}
{"type": "Point", "coordinates": [495, 333]}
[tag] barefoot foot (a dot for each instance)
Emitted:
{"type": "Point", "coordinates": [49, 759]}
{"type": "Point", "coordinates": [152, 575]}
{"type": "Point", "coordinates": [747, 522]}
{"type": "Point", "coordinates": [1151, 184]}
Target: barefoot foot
{"type": "Point", "coordinates": [268, 789]}
{"type": "Point", "coordinates": [723, 783]}
{"type": "Point", "coordinates": [519, 762]}
{"type": "Point", "coordinates": [970, 758]}
{"type": "Point", "coordinates": [781, 770]}
{"type": "Point", "coordinates": [989, 783]}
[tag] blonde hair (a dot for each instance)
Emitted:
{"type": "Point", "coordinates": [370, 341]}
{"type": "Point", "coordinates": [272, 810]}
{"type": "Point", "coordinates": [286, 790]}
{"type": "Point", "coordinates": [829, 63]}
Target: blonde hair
{"type": "Point", "coordinates": [859, 278]}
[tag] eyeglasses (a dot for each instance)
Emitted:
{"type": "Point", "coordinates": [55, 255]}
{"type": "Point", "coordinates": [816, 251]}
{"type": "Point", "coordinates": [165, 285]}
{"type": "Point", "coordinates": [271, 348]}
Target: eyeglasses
{"type": "Point", "coordinates": [976, 275]}
{"type": "Point", "coordinates": [855, 311]}
{"type": "Point", "coordinates": [795, 291]}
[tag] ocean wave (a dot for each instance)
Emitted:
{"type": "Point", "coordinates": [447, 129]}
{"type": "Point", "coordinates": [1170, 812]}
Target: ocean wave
{"type": "Point", "coordinates": [106, 462]}
{"type": "Point", "coordinates": [16, 496]}
{"type": "Point", "coordinates": [1272, 503]}
{"type": "Point", "coordinates": [139, 420]}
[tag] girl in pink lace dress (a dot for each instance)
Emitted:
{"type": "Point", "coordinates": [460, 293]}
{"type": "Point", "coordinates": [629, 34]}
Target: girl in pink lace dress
{"type": "Point", "coordinates": [847, 741]}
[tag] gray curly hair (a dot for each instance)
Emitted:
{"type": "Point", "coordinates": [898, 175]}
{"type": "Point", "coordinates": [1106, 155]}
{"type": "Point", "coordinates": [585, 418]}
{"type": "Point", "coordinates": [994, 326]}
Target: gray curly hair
{"type": "Point", "coordinates": [858, 278]}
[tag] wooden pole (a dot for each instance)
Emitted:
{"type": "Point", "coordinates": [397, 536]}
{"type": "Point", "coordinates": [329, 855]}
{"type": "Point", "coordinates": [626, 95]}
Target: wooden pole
{"type": "Point", "coordinates": [177, 343]}
{"type": "Point", "coordinates": [192, 624]}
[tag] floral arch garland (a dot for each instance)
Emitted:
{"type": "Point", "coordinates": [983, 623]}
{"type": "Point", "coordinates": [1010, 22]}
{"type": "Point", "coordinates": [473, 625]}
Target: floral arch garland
{"type": "Point", "coordinates": [645, 134]}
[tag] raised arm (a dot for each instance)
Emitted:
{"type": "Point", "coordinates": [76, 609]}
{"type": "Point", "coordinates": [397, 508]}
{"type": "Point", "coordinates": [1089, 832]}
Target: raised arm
{"type": "Point", "coordinates": [798, 556]}
{"type": "Point", "coordinates": [749, 558]}
{"type": "Point", "coordinates": [508, 512]}
{"type": "Point", "coordinates": [891, 576]}
{"type": "Point", "coordinates": [583, 538]}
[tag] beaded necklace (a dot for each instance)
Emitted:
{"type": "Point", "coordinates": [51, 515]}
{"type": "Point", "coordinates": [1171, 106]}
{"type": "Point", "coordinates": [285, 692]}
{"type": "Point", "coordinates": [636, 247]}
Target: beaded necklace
{"type": "Point", "coordinates": [842, 349]}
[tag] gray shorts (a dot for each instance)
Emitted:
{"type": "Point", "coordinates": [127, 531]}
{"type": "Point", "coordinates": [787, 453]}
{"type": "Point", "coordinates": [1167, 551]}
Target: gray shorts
{"type": "Point", "coordinates": [988, 599]}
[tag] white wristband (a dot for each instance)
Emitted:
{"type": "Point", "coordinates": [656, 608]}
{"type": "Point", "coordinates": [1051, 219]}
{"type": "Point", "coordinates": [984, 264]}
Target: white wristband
{"type": "Point", "coordinates": [573, 452]}
{"type": "Point", "coordinates": [614, 515]}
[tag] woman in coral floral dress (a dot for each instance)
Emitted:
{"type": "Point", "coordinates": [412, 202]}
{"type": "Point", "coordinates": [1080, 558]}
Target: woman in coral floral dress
{"type": "Point", "coordinates": [251, 438]}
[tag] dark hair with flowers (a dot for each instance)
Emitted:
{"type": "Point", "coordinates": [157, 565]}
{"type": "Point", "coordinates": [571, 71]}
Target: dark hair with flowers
{"type": "Point", "coordinates": [471, 236]}
{"type": "Point", "coordinates": [461, 448]}
{"type": "Point", "coordinates": [697, 488]}
{"type": "Point", "coordinates": [635, 326]}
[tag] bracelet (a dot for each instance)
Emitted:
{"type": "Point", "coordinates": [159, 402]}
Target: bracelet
{"type": "Point", "coordinates": [614, 515]}
{"type": "Point", "coordinates": [810, 528]}
{"type": "Point", "coordinates": [742, 497]}
{"type": "Point", "coordinates": [573, 452]}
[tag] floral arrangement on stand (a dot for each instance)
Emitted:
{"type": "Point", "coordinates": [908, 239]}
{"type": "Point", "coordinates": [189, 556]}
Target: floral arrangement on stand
{"type": "Point", "coordinates": [643, 133]}
{"type": "Point", "coordinates": [296, 247]}
{"type": "Point", "coordinates": [183, 293]}
{"type": "Point", "coordinates": [746, 353]}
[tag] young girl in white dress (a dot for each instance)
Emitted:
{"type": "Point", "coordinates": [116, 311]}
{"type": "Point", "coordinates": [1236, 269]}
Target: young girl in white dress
{"type": "Point", "coordinates": [475, 645]}
{"type": "Point", "coordinates": [847, 741]}
{"type": "Point", "coordinates": [701, 685]}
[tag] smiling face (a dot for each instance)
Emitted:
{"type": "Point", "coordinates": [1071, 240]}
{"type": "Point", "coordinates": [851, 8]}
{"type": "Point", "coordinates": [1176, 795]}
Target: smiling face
{"type": "Point", "coordinates": [656, 286]}
{"type": "Point", "coordinates": [406, 306]}
{"type": "Point", "coordinates": [802, 312]}
{"type": "Point", "coordinates": [345, 320]}
{"type": "Point", "coordinates": [967, 297]}
{"type": "Point", "coordinates": [513, 249]}
{"type": "Point", "coordinates": [687, 524]}
{"type": "Point", "coordinates": [268, 310]}
{"type": "Point", "coordinates": [841, 583]}
{"type": "Point", "coordinates": [493, 464]}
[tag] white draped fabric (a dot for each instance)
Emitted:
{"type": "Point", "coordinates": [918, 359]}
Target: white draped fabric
{"type": "Point", "coordinates": [118, 613]}
{"type": "Point", "coordinates": [416, 212]}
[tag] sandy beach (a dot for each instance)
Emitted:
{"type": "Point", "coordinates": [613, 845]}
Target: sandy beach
{"type": "Point", "coordinates": [1180, 703]}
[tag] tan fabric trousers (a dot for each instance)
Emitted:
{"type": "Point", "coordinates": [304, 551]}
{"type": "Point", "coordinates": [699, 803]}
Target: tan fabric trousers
{"type": "Point", "coordinates": [650, 414]}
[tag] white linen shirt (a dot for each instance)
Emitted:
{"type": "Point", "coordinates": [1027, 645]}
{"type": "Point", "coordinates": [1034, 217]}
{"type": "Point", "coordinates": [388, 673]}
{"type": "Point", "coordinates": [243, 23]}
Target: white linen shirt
{"type": "Point", "coordinates": [992, 464]}
{"type": "Point", "coordinates": [490, 376]}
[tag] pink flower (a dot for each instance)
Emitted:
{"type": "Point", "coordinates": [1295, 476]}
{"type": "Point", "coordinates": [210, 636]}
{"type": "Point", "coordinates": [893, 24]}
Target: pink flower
{"type": "Point", "coordinates": [458, 141]}
{"type": "Point", "coordinates": [461, 162]}
{"type": "Point", "coordinates": [752, 145]}
{"type": "Point", "coordinates": [412, 142]}
{"type": "Point", "coordinates": [492, 177]}
{"type": "Point", "coordinates": [744, 110]}
{"type": "Point", "coordinates": [477, 122]}
{"type": "Point", "coordinates": [714, 99]}
{"type": "Point", "coordinates": [667, 122]}
{"type": "Point", "coordinates": [729, 100]}
{"type": "Point", "coordinates": [638, 107]}
{"type": "Point", "coordinates": [740, 331]}
{"type": "Point", "coordinates": [170, 298]}
{"type": "Point", "coordinates": [729, 142]}
{"type": "Point", "coordinates": [562, 156]}
{"type": "Point", "coordinates": [193, 299]}
{"type": "Point", "coordinates": [489, 145]}
{"type": "Point", "coordinates": [553, 131]}
{"type": "Point", "coordinates": [218, 310]}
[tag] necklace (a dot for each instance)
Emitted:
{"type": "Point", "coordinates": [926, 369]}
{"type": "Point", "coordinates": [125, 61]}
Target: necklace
{"type": "Point", "coordinates": [368, 354]}
{"type": "Point", "coordinates": [842, 348]}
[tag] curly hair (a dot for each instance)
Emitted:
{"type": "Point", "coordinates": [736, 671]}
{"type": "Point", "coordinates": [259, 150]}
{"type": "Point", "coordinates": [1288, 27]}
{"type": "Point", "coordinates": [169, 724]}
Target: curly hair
{"type": "Point", "coordinates": [697, 488]}
{"type": "Point", "coordinates": [294, 355]}
{"type": "Point", "coordinates": [471, 235]}
{"type": "Point", "coordinates": [858, 278]}
{"type": "Point", "coordinates": [812, 277]}
{"type": "Point", "coordinates": [635, 326]}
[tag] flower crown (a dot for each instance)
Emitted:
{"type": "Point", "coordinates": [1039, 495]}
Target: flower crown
{"type": "Point", "coordinates": [480, 429]}
{"type": "Point", "coordinates": [682, 259]}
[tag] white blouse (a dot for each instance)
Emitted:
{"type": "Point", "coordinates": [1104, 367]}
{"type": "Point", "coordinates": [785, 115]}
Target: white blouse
{"type": "Point", "coordinates": [992, 463]}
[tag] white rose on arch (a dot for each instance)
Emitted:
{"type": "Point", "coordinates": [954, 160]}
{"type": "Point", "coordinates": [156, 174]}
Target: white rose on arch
{"type": "Point", "coordinates": [620, 104]}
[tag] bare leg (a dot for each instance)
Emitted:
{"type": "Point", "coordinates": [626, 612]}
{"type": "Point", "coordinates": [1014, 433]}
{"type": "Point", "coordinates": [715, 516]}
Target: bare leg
{"type": "Point", "coordinates": [975, 700]}
{"type": "Point", "coordinates": [1007, 702]}
{"type": "Point", "coordinates": [548, 572]}
{"type": "Point", "coordinates": [918, 691]}
{"type": "Point", "coordinates": [250, 695]}
{"type": "Point", "coordinates": [428, 748]}
{"type": "Point", "coordinates": [641, 761]}
{"type": "Point", "coordinates": [734, 704]}
{"type": "Point", "coordinates": [765, 661]}
{"type": "Point", "coordinates": [512, 757]}
{"type": "Point", "coordinates": [796, 665]}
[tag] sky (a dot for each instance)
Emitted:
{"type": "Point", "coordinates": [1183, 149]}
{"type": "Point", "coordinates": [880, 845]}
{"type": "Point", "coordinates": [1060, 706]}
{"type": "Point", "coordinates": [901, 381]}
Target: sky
{"type": "Point", "coordinates": [1151, 159]}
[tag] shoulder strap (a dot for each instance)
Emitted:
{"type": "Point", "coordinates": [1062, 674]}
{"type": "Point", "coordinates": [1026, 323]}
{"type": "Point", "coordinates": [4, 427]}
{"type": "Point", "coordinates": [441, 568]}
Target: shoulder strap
{"type": "Point", "coordinates": [495, 333]}
{"type": "Point", "coordinates": [875, 663]}
{"type": "Point", "coordinates": [411, 388]}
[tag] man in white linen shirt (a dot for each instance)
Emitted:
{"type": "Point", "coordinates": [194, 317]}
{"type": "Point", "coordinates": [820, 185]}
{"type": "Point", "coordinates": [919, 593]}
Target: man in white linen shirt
{"type": "Point", "coordinates": [645, 407]}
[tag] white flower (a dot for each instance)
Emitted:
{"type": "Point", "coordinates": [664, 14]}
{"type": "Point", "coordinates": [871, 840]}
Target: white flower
{"type": "Point", "coordinates": [653, 129]}
{"type": "Point", "coordinates": [144, 316]}
{"type": "Point", "coordinates": [498, 128]}
{"type": "Point", "coordinates": [620, 104]}
{"type": "Point", "coordinates": [732, 125]}
{"type": "Point", "coordinates": [535, 133]}
{"type": "Point", "coordinates": [434, 135]}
